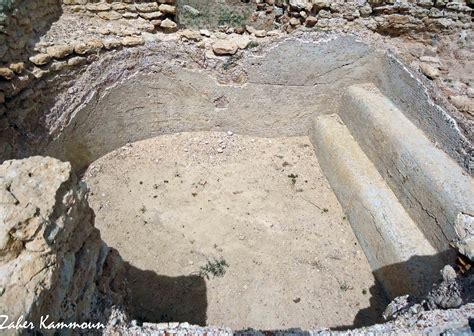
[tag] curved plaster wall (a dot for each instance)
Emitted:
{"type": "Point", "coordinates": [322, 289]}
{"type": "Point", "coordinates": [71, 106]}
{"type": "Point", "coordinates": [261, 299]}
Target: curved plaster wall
{"type": "Point", "coordinates": [281, 92]}
{"type": "Point", "coordinates": [158, 89]}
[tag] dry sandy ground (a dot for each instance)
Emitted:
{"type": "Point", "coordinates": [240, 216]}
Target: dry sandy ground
{"type": "Point", "coordinates": [172, 203]}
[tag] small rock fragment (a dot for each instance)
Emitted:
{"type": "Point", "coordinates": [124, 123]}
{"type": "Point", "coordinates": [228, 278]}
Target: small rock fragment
{"type": "Point", "coordinates": [311, 21]}
{"type": "Point", "coordinates": [429, 71]}
{"type": "Point", "coordinates": [17, 67]}
{"type": "Point", "coordinates": [191, 10]}
{"type": "Point", "coordinates": [6, 73]}
{"type": "Point", "coordinates": [77, 60]}
{"type": "Point", "coordinates": [59, 51]}
{"type": "Point", "coordinates": [40, 59]}
{"type": "Point", "coordinates": [224, 47]}
{"type": "Point", "coordinates": [167, 9]}
{"type": "Point", "coordinates": [191, 35]}
{"type": "Point", "coordinates": [111, 44]}
{"type": "Point", "coordinates": [109, 16]}
{"type": "Point", "coordinates": [130, 41]}
{"type": "Point", "coordinates": [205, 32]}
{"type": "Point", "coordinates": [169, 26]}
{"type": "Point", "coordinates": [463, 103]}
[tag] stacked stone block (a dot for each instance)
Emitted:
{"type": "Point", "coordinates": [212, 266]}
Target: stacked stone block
{"type": "Point", "coordinates": [160, 13]}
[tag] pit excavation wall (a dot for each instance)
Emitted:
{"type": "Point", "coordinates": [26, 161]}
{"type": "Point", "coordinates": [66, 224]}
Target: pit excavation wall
{"type": "Point", "coordinates": [397, 160]}
{"type": "Point", "coordinates": [413, 210]}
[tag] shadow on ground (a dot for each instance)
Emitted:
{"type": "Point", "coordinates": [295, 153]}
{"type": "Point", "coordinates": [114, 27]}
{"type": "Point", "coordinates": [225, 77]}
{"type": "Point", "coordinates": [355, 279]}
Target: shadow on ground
{"type": "Point", "coordinates": [156, 298]}
{"type": "Point", "coordinates": [401, 272]}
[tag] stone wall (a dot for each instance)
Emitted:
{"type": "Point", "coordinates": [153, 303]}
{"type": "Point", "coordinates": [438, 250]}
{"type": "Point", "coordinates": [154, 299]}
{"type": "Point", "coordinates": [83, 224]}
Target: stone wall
{"type": "Point", "coordinates": [388, 17]}
{"type": "Point", "coordinates": [26, 61]}
{"type": "Point", "coordinates": [161, 13]}
{"type": "Point", "coordinates": [21, 23]}
{"type": "Point", "coordinates": [28, 64]}
{"type": "Point", "coordinates": [52, 259]}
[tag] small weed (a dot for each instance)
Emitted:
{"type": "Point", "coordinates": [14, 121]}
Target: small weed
{"type": "Point", "coordinates": [364, 291]}
{"type": "Point", "coordinates": [216, 268]}
{"type": "Point", "coordinates": [231, 19]}
{"type": "Point", "coordinates": [325, 210]}
{"type": "Point", "coordinates": [293, 178]}
{"type": "Point", "coordinates": [231, 61]}
{"type": "Point", "coordinates": [143, 209]}
{"type": "Point", "coordinates": [346, 287]}
{"type": "Point", "coordinates": [317, 264]}
{"type": "Point", "coordinates": [5, 5]}
{"type": "Point", "coordinates": [228, 63]}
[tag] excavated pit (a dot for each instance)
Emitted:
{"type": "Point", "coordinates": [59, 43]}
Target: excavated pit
{"type": "Point", "coordinates": [183, 190]}
{"type": "Point", "coordinates": [171, 203]}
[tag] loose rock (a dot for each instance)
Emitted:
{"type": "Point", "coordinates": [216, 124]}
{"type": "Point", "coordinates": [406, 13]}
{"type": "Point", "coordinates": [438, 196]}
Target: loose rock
{"type": "Point", "coordinates": [40, 59]}
{"type": "Point", "coordinates": [60, 51]}
{"type": "Point", "coordinates": [429, 71]}
{"type": "Point", "coordinates": [224, 47]}
{"type": "Point", "coordinates": [168, 25]}
{"type": "Point", "coordinates": [130, 41]}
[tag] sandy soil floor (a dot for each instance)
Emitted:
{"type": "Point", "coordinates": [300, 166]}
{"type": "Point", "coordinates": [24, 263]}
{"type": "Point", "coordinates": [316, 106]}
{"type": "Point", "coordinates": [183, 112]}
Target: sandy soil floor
{"type": "Point", "coordinates": [173, 203]}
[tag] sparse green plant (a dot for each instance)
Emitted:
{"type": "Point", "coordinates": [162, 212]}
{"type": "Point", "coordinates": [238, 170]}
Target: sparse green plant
{"type": "Point", "coordinates": [293, 178]}
{"type": "Point", "coordinates": [345, 287]}
{"type": "Point", "coordinates": [227, 64]}
{"type": "Point", "coordinates": [230, 18]}
{"type": "Point", "coordinates": [5, 5]}
{"type": "Point", "coordinates": [231, 61]}
{"type": "Point", "coordinates": [215, 267]}
{"type": "Point", "coordinates": [213, 13]}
